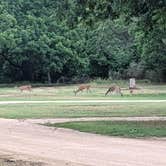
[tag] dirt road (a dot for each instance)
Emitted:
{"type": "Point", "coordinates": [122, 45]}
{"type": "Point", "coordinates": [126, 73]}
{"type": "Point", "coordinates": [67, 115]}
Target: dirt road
{"type": "Point", "coordinates": [81, 101]}
{"type": "Point", "coordinates": [61, 147]}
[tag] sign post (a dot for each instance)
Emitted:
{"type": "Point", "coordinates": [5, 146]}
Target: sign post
{"type": "Point", "coordinates": [132, 83]}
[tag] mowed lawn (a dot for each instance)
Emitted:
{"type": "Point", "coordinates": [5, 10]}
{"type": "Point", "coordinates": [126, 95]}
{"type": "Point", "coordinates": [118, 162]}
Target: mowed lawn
{"type": "Point", "coordinates": [74, 110]}
{"type": "Point", "coordinates": [53, 110]}
{"type": "Point", "coordinates": [82, 110]}
{"type": "Point", "coordinates": [136, 129]}
{"type": "Point", "coordinates": [145, 92]}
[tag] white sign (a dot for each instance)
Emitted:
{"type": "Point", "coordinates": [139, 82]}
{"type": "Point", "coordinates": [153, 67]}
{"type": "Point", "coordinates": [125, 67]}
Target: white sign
{"type": "Point", "coordinates": [132, 83]}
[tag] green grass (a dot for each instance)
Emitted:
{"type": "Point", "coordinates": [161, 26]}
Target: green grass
{"type": "Point", "coordinates": [99, 87]}
{"type": "Point", "coordinates": [83, 96]}
{"type": "Point", "coordinates": [97, 92]}
{"type": "Point", "coordinates": [119, 128]}
{"type": "Point", "coordinates": [82, 110]}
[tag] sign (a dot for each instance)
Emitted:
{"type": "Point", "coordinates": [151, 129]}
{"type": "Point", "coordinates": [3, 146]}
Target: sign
{"type": "Point", "coordinates": [132, 83]}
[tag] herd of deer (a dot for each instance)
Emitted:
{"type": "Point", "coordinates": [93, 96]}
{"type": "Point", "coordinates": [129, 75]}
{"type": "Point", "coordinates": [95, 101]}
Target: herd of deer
{"type": "Point", "coordinates": [113, 89]}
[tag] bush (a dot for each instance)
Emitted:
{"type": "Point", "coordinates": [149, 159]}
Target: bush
{"type": "Point", "coordinates": [116, 75]}
{"type": "Point", "coordinates": [154, 75]}
{"type": "Point", "coordinates": [102, 81]}
{"type": "Point", "coordinates": [136, 70]}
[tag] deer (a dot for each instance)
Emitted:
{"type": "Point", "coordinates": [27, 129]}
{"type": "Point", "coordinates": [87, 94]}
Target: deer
{"type": "Point", "coordinates": [114, 88]}
{"type": "Point", "coordinates": [81, 88]}
{"type": "Point", "coordinates": [25, 87]}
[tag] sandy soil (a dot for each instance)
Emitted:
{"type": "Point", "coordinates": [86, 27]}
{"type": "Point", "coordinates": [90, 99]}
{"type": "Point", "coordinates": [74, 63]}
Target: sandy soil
{"type": "Point", "coordinates": [26, 140]}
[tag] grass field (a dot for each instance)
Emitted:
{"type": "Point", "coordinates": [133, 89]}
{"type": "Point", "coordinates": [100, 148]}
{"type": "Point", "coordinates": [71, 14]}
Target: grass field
{"type": "Point", "coordinates": [52, 110]}
{"type": "Point", "coordinates": [82, 110]}
{"type": "Point", "coordinates": [119, 128]}
{"type": "Point", "coordinates": [97, 92]}
{"type": "Point", "coordinates": [132, 129]}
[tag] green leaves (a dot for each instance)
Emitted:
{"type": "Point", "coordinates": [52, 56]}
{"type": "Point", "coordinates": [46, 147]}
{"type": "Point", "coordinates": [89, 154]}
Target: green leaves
{"type": "Point", "coordinates": [74, 38]}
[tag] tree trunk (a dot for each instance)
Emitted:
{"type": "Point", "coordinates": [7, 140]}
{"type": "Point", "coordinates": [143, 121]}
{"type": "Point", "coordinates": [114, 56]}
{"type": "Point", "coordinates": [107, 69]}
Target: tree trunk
{"type": "Point", "coordinates": [49, 77]}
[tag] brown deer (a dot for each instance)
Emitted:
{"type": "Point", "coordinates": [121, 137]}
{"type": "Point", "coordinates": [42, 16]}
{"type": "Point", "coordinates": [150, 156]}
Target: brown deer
{"type": "Point", "coordinates": [115, 89]}
{"type": "Point", "coordinates": [81, 88]}
{"type": "Point", "coordinates": [25, 88]}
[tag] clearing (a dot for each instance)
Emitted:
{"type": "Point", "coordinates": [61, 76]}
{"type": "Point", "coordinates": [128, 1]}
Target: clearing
{"type": "Point", "coordinates": [24, 142]}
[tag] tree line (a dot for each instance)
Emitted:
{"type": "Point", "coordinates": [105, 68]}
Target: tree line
{"type": "Point", "coordinates": [67, 40]}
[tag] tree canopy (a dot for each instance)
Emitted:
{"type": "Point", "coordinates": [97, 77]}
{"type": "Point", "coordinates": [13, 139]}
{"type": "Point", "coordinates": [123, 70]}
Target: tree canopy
{"type": "Point", "coordinates": [46, 40]}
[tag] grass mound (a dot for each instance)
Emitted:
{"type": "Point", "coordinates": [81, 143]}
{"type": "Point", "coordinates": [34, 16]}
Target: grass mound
{"type": "Point", "coordinates": [119, 128]}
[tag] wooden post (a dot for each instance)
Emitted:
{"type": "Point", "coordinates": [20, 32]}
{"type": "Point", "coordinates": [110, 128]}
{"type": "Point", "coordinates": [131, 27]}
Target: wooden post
{"type": "Point", "coordinates": [49, 77]}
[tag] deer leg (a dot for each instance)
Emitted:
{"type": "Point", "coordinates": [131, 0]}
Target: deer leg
{"type": "Point", "coordinates": [75, 92]}
{"type": "Point", "coordinates": [109, 90]}
{"type": "Point", "coordinates": [88, 90]}
{"type": "Point", "coordinates": [120, 92]}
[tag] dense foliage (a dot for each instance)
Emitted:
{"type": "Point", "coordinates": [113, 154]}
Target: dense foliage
{"type": "Point", "coordinates": [64, 40]}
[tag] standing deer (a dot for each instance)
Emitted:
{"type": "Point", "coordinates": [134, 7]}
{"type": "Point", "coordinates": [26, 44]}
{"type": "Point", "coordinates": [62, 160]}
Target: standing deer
{"type": "Point", "coordinates": [81, 88]}
{"type": "Point", "coordinates": [115, 89]}
{"type": "Point", "coordinates": [25, 87]}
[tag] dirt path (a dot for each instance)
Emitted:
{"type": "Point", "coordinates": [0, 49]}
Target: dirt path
{"type": "Point", "coordinates": [81, 101]}
{"type": "Point", "coordinates": [62, 120]}
{"type": "Point", "coordinates": [61, 147]}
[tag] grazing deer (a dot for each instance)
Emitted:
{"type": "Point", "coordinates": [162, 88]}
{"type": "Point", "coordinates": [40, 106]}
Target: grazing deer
{"type": "Point", "coordinates": [115, 89]}
{"type": "Point", "coordinates": [81, 88]}
{"type": "Point", "coordinates": [25, 87]}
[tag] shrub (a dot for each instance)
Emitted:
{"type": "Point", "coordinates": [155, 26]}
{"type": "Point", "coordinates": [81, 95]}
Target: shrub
{"type": "Point", "coordinates": [136, 70]}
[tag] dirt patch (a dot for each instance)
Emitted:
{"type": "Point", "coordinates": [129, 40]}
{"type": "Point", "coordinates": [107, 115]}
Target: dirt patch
{"type": "Point", "coordinates": [61, 147]}
{"type": "Point", "coordinates": [8, 161]}
{"type": "Point", "coordinates": [63, 120]}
